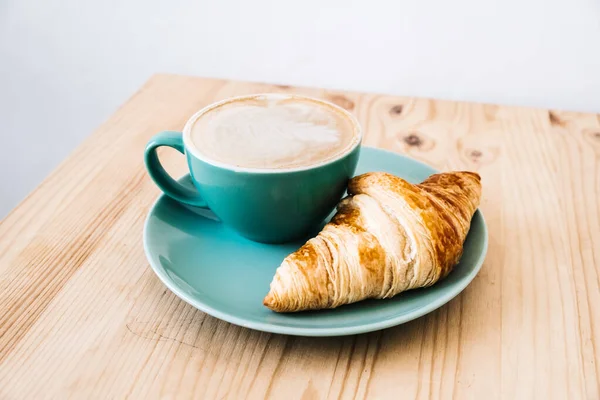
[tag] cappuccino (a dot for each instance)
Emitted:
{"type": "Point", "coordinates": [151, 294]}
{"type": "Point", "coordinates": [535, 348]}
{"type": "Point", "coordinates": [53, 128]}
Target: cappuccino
{"type": "Point", "coordinates": [273, 132]}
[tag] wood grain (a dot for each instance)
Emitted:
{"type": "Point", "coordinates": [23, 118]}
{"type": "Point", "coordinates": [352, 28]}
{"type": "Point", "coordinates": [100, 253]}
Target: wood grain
{"type": "Point", "coordinates": [82, 315]}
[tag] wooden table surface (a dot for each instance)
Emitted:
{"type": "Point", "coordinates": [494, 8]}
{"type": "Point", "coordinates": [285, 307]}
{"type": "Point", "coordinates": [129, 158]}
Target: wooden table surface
{"type": "Point", "coordinates": [83, 315]}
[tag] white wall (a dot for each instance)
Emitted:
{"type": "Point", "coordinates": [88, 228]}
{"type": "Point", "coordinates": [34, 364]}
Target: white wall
{"type": "Point", "coordinates": [66, 65]}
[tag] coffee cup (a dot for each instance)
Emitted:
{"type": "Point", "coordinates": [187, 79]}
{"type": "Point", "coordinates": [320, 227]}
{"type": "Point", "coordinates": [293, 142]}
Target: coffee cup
{"type": "Point", "coordinates": [271, 167]}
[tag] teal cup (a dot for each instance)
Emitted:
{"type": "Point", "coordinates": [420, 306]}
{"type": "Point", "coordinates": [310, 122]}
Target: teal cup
{"type": "Point", "coordinates": [263, 205]}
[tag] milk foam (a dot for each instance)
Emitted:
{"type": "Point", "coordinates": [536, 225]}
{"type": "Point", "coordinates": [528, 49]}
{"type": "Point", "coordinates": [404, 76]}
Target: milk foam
{"type": "Point", "coordinates": [272, 132]}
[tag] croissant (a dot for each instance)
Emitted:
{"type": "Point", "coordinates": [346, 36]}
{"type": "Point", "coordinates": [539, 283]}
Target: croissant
{"type": "Point", "coordinates": [387, 236]}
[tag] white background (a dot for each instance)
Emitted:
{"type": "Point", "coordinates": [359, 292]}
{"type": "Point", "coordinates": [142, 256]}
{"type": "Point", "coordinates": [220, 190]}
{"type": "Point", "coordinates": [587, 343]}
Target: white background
{"type": "Point", "coordinates": [66, 65]}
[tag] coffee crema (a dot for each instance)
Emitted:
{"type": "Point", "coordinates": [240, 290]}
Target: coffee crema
{"type": "Point", "coordinates": [273, 132]}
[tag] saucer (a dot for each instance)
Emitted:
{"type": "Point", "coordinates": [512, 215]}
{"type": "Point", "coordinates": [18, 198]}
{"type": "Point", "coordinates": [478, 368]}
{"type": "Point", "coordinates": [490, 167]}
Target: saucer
{"type": "Point", "coordinates": [227, 276]}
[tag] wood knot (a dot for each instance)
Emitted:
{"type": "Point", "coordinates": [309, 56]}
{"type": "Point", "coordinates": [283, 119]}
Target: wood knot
{"type": "Point", "coordinates": [478, 150]}
{"type": "Point", "coordinates": [475, 155]}
{"type": "Point", "coordinates": [555, 119]}
{"type": "Point", "coordinates": [413, 140]}
{"type": "Point", "coordinates": [481, 157]}
{"type": "Point", "coordinates": [397, 109]}
{"type": "Point", "coordinates": [284, 87]}
{"type": "Point", "coordinates": [341, 101]}
{"type": "Point", "coordinates": [596, 135]}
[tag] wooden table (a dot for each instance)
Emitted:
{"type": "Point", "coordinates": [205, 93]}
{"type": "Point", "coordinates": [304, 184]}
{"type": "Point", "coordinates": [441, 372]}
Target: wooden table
{"type": "Point", "coordinates": [83, 315]}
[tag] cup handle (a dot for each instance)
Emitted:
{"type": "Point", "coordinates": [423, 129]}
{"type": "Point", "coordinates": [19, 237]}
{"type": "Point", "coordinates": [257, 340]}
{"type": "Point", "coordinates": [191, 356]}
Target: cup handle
{"type": "Point", "coordinates": [163, 180]}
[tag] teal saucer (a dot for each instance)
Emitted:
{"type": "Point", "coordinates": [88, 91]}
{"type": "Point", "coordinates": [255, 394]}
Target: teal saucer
{"type": "Point", "coordinates": [219, 272]}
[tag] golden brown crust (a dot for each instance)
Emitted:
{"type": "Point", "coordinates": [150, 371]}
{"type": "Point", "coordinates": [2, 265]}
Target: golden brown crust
{"type": "Point", "coordinates": [387, 236]}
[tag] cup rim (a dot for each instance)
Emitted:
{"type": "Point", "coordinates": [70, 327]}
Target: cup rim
{"type": "Point", "coordinates": [190, 147]}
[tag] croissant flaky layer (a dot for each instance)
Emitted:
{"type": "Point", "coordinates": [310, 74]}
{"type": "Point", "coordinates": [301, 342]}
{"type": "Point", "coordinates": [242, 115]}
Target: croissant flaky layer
{"type": "Point", "coordinates": [387, 236]}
